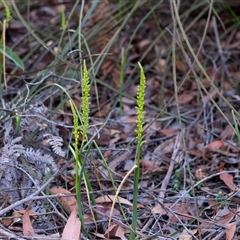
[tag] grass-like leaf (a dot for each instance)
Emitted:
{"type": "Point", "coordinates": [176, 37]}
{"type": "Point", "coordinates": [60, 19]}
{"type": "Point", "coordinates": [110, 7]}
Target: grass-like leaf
{"type": "Point", "coordinates": [12, 56]}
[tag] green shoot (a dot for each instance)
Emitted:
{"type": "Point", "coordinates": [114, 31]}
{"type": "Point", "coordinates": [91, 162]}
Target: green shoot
{"type": "Point", "coordinates": [7, 11]}
{"type": "Point", "coordinates": [123, 62]}
{"type": "Point", "coordinates": [85, 111]}
{"type": "Point", "coordinates": [85, 104]}
{"type": "Point", "coordinates": [77, 149]}
{"type": "Point", "coordinates": [76, 155]}
{"type": "Point", "coordinates": [139, 131]}
{"type": "Point", "coordinates": [63, 18]}
{"type": "Point", "coordinates": [176, 180]}
{"type": "Point", "coordinates": [18, 122]}
{"type": "Point", "coordinates": [220, 198]}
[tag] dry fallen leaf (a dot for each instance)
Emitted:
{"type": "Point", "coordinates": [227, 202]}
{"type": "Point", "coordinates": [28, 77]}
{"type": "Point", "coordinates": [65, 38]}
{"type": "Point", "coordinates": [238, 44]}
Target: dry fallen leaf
{"type": "Point", "coordinates": [68, 202]}
{"type": "Point", "coordinates": [181, 210]}
{"type": "Point", "coordinates": [228, 180]}
{"type": "Point", "coordinates": [22, 212]}
{"type": "Point", "coordinates": [200, 173]}
{"type": "Point", "coordinates": [17, 214]}
{"type": "Point", "coordinates": [223, 216]}
{"type": "Point", "coordinates": [106, 209]}
{"type": "Point", "coordinates": [230, 230]}
{"type": "Point", "coordinates": [110, 198]}
{"type": "Point", "coordinates": [72, 229]}
{"type": "Point", "coordinates": [148, 166]}
{"type": "Point", "coordinates": [181, 66]}
{"type": "Point", "coordinates": [184, 98]}
{"type": "Point", "coordinates": [165, 147]}
{"type": "Point", "coordinates": [215, 145]}
{"type": "Point", "coordinates": [118, 160]}
{"type": "Point", "coordinates": [227, 133]}
{"type": "Point", "coordinates": [113, 232]}
{"type": "Point", "coordinates": [169, 132]}
{"type": "Point", "coordinates": [212, 95]}
{"type": "Point", "coordinates": [6, 222]}
{"type": "Point", "coordinates": [186, 236]}
{"type": "Point", "coordinates": [158, 209]}
{"type": "Point", "coordinates": [27, 224]}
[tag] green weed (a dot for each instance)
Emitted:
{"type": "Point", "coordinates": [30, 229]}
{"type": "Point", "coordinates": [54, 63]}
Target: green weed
{"type": "Point", "coordinates": [219, 198]}
{"type": "Point", "coordinates": [176, 180]}
{"type": "Point", "coordinates": [78, 150]}
{"type": "Point", "coordinates": [63, 19]}
{"type": "Point", "coordinates": [7, 11]}
{"type": "Point", "coordinates": [140, 142]}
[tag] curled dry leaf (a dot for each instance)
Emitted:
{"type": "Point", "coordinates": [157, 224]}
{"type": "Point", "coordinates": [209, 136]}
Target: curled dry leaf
{"type": "Point", "coordinates": [228, 180]}
{"type": "Point", "coordinates": [215, 145]}
{"type": "Point", "coordinates": [200, 174]}
{"type": "Point", "coordinates": [114, 231]}
{"type": "Point", "coordinates": [105, 208]}
{"type": "Point", "coordinates": [110, 199]}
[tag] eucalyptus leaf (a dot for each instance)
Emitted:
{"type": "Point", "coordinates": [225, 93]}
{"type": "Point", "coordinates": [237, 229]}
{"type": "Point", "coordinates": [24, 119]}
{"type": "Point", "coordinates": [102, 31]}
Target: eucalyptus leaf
{"type": "Point", "coordinates": [12, 56]}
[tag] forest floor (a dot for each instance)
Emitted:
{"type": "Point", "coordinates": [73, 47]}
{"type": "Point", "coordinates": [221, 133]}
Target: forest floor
{"type": "Point", "coordinates": [190, 156]}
